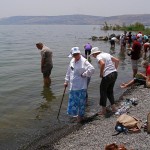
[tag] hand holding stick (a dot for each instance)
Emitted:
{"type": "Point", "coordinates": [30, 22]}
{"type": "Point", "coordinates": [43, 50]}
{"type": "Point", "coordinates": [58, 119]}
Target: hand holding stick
{"type": "Point", "coordinates": [62, 99]}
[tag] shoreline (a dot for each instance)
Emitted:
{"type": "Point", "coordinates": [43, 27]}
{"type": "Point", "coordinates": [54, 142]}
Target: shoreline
{"type": "Point", "coordinates": [98, 133]}
{"type": "Point", "coordinates": [48, 141]}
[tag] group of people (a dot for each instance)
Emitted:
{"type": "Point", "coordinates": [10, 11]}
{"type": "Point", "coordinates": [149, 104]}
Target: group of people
{"type": "Point", "coordinates": [128, 39]}
{"type": "Point", "coordinates": [142, 39]}
{"type": "Point", "coordinates": [80, 71]}
{"type": "Point", "coordinates": [138, 46]}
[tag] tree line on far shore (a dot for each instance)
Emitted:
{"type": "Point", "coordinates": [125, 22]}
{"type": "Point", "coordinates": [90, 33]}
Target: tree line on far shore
{"type": "Point", "coordinates": [132, 27]}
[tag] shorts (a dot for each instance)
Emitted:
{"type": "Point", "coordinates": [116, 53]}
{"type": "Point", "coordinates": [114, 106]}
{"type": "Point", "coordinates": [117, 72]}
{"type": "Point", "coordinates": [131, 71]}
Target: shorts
{"type": "Point", "coordinates": [129, 41]}
{"type": "Point", "coordinates": [134, 64]}
{"type": "Point", "coordinates": [87, 52]}
{"type": "Point", "coordinates": [47, 72]}
{"type": "Point", "coordinates": [140, 81]}
{"type": "Point", "coordinates": [112, 42]}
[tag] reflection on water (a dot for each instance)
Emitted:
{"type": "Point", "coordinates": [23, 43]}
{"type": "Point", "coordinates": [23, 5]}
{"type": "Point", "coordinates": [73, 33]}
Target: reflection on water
{"type": "Point", "coordinates": [47, 96]}
{"type": "Point", "coordinates": [122, 56]}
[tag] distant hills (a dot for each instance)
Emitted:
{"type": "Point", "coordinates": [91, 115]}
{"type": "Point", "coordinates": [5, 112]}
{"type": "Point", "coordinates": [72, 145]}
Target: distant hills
{"type": "Point", "coordinates": [76, 20]}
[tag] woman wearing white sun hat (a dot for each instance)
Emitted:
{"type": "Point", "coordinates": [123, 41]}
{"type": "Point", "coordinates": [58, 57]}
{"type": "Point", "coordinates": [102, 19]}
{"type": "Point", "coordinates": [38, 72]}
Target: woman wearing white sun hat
{"type": "Point", "coordinates": [108, 72]}
{"type": "Point", "coordinates": [78, 71]}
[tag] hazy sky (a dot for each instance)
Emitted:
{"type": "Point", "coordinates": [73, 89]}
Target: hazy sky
{"type": "Point", "coordinates": [68, 7]}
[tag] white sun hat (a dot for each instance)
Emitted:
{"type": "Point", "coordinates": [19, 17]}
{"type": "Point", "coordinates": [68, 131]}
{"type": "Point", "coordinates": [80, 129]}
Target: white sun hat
{"type": "Point", "coordinates": [74, 50]}
{"type": "Point", "coordinates": [95, 50]}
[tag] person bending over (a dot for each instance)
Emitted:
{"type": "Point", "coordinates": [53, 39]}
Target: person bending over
{"type": "Point", "coordinates": [46, 63]}
{"type": "Point", "coordinates": [108, 72]}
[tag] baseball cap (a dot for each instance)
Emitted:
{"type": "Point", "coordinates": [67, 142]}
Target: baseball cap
{"type": "Point", "coordinates": [74, 50]}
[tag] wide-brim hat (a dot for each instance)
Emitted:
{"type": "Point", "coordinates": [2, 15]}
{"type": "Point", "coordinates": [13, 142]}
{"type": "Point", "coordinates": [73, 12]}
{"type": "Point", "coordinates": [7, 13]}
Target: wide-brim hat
{"type": "Point", "coordinates": [74, 50]}
{"type": "Point", "coordinates": [95, 50]}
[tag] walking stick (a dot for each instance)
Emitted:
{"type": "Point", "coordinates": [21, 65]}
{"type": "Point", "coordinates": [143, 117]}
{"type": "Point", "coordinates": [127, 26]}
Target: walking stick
{"type": "Point", "coordinates": [61, 101]}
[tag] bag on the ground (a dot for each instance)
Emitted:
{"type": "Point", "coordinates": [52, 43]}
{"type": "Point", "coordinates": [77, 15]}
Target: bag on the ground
{"type": "Point", "coordinates": [114, 146]}
{"type": "Point", "coordinates": [131, 123]}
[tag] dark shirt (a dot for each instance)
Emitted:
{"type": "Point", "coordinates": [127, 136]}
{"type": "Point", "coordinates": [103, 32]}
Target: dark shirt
{"type": "Point", "coordinates": [135, 54]}
{"type": "Point", "coordinates": [129, 38]}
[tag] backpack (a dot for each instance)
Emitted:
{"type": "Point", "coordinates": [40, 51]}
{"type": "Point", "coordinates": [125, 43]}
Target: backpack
{"type": "Point", "coordinates": [131, 123]}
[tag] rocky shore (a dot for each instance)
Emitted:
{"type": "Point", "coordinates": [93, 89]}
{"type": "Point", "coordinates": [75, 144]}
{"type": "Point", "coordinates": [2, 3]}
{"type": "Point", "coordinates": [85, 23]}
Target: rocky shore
{"type": "Point", "coordinates": [96, 134]}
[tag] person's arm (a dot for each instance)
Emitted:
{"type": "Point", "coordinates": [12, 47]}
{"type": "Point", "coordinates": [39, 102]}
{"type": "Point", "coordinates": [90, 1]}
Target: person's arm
{"type": "Point", "coordinates": [67, 77]}
{"type": "Point", "coordinates": [116, 61]}
{"type": "Point", "coordinates": [42, 62]}
{"type": "Point", "coordinates": [143, 75]}
{"type": "Point", "coordinates": [133, 47]}
{"type": "Point", "coordinates": [89, 70]}
{"type": "Point", "coordinates": [102, 66]}
{"type": "Point", "coordinates": [130, 49]}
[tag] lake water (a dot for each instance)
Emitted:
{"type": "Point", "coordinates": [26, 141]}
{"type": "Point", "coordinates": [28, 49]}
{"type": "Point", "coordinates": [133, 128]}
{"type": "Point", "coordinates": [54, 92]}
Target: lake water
{"type": "Point", "coordinates": [27, 109]}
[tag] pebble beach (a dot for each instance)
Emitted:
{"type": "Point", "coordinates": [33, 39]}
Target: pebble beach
{"type": "Point", "coordinates": [96, 134]}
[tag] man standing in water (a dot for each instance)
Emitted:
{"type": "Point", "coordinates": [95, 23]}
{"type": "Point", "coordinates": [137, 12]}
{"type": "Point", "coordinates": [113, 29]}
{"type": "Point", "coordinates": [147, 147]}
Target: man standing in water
{"type": "Point", "coordinates": [135, 55]}
{"type": "Point", "coordinates": [46, 63]}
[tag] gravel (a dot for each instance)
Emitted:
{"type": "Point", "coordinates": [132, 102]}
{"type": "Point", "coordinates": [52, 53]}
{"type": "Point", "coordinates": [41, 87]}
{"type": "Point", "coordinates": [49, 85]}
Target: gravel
{"type": "Point", "coordinates": [95, 135]}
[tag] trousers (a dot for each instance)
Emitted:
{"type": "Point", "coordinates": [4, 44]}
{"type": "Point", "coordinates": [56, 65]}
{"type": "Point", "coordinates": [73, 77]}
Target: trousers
{"type": "Point", "coordinates": [106, 89]}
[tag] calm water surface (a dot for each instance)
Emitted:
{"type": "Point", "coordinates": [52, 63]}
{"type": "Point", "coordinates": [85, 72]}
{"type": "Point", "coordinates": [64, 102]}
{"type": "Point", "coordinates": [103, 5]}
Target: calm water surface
{"type": "Point", "coordinates": [26, 108]}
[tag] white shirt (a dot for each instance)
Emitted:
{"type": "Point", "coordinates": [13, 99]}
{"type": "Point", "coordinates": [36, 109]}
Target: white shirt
{"type": "Point", "coordinates": [109, 65]}
{"type": "Point", "coordinates": [74, 72]}
{"type": "Point", "coordinates": [139, 35]}
{"type": "Point", "coordinates": [147, 43]}
{"type": "Point", "coordinates": [114, 39]}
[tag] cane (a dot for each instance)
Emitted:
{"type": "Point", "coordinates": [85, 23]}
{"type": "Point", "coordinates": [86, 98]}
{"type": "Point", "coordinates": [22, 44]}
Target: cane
{"type": "Point", "coordinates": [61, 101]}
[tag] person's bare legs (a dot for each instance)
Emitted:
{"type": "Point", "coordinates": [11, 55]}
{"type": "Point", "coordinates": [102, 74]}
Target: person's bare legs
{"type": "Point", "coordinates": [47, 81]}
{"type": "Point", "coordinates": [103, 112]}
{"type": "Point", "coordinates": [125, 85]}
{"type": "Point", "coordinates": [113, 107]}
{"type": "Point", "coordinates": [145, 55]}
{"type": "Point", "coordinates": [79, 119]}
{"type": "Point", "coordinates": [134, 72]}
